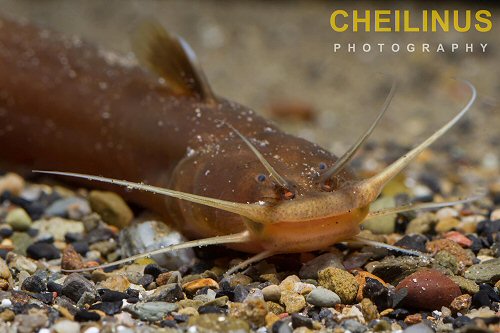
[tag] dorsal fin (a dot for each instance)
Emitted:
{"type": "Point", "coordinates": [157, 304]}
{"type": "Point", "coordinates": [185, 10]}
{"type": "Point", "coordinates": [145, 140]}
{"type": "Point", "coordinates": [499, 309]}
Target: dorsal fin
{"type": "Point", "coordinates": [171, 58]}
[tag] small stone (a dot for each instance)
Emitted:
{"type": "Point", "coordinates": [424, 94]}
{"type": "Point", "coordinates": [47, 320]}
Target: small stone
{"type": "Point", "coordinates": [7, 315]}
{"type": "Point", "coordinates": [458, 238]}
{"type": "Point", "coordinates": [163, 278]}
{"type": "Point", "coordinates": [43, 251]}
{"type": "Point", "coordinates": [485, 272]}
{"type": "Point", "coordinates": [461, 303]}
{"type": "Point", "coordinates": [72, 207]}
{"type": "Point", "coordinates": [21, 241]}
{"type": "Point", "coordinates": [4, 270]}
{"type": "Point", "coordinates": [109, 308]}
{"type": "Point", "coordinates": [171, 292]}
{"type": "Point", "coordinates": [340, 282]}
{"type": "Point", "coordinates": [115, 282]}
{"type": "Point", "coordinates": [446, 212]}
{"type": "Point", "coordinates": [299, 320]}
{"type": "Point", "coordinates": [21, 263]}
{"type": "Point", "coordinates": [192, 286]}
{"type": "Point", "coordinates": [272, 293]}
{"type": "Point", "coordinates": [418, 328]}
{"type": "Point", "coordinates": [253, 311]}
{"type": "Point", "coordinates": [58, 227]}
{"type": "Point", "coordinates": [75, 286]}
{"type": "Point", "coordinates": [66, 326]}
{"type": "Point", "coordinates": [463, 256]}
{"type": "Point", "coordinates": [111, 207]}
{"type": "Point", "coordinates": [421, 224]}
{"type": "Point", "coordinates": [446, 224]}
{"type": "Point", "coordinates": [292, 301]}
{"type": "Point", "coordinates": [87, 298]}
{"type": "Point", "coordinates": [323, 297]}
{"type": "Point", "coordinates": [353, 326]}
{"type": "Point", "coordinates": [429, 289]}
{"type": "Point", "coordinates": [394, 269]}
{"type": "Point", "coordinates": [369, 310]}
{"type": "Point", "coordinates": [239, 279]}
{"type": "Point", "coordinates": [12, 183]}
{"type": "Point", "coordinates": [34, 284]}
{"type": "Point", "coordinates": [413, 242]}
{"type": "Point", "coordinates": [413, 319]}
{"type": "Point", "coordinates": [360, 277]}
{"type": "Point", "coordinates": [151, 311]}
{"type": "Point", "coordinates": [71, 259]}
{"type": "Point", "coordinates": [18, 219]}
{"type": "Point", "coordinates": [84, 315]}
{"type": "Point", "coordinates": [30, 323]}
{"type": "Point", "coordinates": [445, 260]}
{"type": "Point", "coordinates": [466, 285]}
{"type": "Point", "coordinates": [212, 322]}
{"type": "Point", "coordinates": [311, 268]}
{"type": "Point", "coordinates": [113, 296]}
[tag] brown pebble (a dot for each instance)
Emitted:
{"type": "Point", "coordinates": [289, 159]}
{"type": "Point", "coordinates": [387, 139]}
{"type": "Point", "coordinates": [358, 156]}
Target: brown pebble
{"type": "Point", "coordinates": [463, 256]}
{"type": "Point", "coordinates": [369, 310]}
{"type": "Point", "coordinates": [413, 319]}
{"type": "Point", "coordinates": [71, 259]}
{"type": "Point", "coordinates": [461, 303]}
{"type": "Point", "coordinates": [111, 207]}
{"type": "Point", "coordinates": [7, 315]}
{"type": "Point", "coordinates": [360, 277]}
{"type": "Point", "coordinates": [116, 282]}
{"type": "Point", "coordinates": [192, 286]}
{"type": "Point", "coordinates": [429, 289]}
{"type": "Point", "coordinates": [163, 278]}
{"type": "Point", "coordinates": [458, 238]}
{"type": "Point", "coordinates": [11, 182]}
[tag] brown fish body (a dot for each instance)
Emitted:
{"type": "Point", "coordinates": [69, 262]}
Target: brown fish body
{"type": "Point", "coordinates": [66, 105]}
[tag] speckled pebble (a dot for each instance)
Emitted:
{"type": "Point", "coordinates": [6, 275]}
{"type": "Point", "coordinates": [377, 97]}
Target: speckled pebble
{"type": "Point", "coordinates": [292, 301]}
{"type": "Point", "coordinates": [341, 282]}
{"type": "Point", "coordinates": [66, 326]}
{"type": "Point", "coordinates": [218, 323]}
{"type": "Point", "coordinates": [488, 271]}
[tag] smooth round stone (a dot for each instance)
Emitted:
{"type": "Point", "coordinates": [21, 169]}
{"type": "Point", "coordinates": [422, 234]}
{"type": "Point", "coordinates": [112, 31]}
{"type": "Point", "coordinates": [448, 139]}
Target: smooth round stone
{"type": "Point", "coordinates": [18, 219]}
{"type": "Point", "coordinates": [323, 297]}
{"type": "Point", "coordinates": [272, 293]}
{"type": "Point", "coordinates": [66, 326]}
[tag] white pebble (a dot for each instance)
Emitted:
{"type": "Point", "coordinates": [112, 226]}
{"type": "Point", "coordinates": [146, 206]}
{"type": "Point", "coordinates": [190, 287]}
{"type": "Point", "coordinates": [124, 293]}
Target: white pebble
{"type": "Point", "coordinates": [5, 303]}
{"type": "Point", "coordinates": [495, 215]}
{"type": "Point", "coordinates": [92, 329]}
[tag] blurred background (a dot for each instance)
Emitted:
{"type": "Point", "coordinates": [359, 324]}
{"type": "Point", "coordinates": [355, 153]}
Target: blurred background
{"type": "Point", "coordinates": [277, 57]}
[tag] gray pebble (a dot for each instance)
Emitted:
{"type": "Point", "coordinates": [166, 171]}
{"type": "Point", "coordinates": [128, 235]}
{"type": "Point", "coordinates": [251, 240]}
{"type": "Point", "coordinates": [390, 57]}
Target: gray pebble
{"type": "Point", "coordinates": [18, 219]}
{"type": "Point", "coordinates": [323, 297]}
{"type": "Point", "coordinates": [353, 326]}
{"type": "Point", "coordinates": [151, 311]}
{"type": "Point", "coordinates": [75, 286]}
{"type": "Point", "coordinates": [418, 328]}
{"type": "Point", "coordinates": [168, 293]}
{"type": "Point", "coordinates": [485, 272]}
{"type": "Point", "coordinates": [312, 267]}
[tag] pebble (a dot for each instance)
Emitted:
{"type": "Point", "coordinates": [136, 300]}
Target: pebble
{"type": "Point", "coordinates": [43, 251]}
{"type": "Point", "coordinates": [34, 284]}
{"type": "Point", "coordinates": [323, 297]}
{"type": "Point", "coordinates": [311, 268]}
{"type": "Point", "coordinates": [461, 303]}
{"type": "Point", "coordinates": [152, 235]}
{"type": "Point", "coordinates": [75, 285]}
{"type": "Point", "coordinates": [418, 328]}
{"type": "Point", "coordinates": [30, 323]}
{"type": "Point", "coordinates": [5, 274]}
{"type": "Point", "coordinates": [340, 282]}
{"type": "Point", "coordinates": [58, 227]}
{"type": "Point", "coordinates": [212, 322]}
{"type": "Point", "coordinates": [360, 277]}
{"type": "Point", "coordinates": [292, 301]}
{"type": "Point", "coordinates": [429, 289]}
{"type": "Point", "coordinates": [485, 272]}
{"type": "Point", "coordinates": [115, 282]}
{"type": "Point", "coordinates": [170, 292]}
{"type": "Point", "coordinates": [21, 241]}
{"type": "Point", "coordinates": [71, 207]}
{"type": "Point", "coordinates": [413, 242]}
{"type": "Point", "coordinates": [458, 238]}
{"type": "Point", "coordinates": [353, 326]}
{"type": "Point", "coordinates": [421, 224]}
{"type": "Point", "coordinates": [12, 183]}
{"type": "Point", "coordinates": [272, 293]}
{"type": "Point", "coordinates": [18, 219]}
{"type": "Point", "coordinates": [111, 207]}
{"type": "Point", "coordinates": [109, 308]}
{"type": "Point", "coordinates": [151, 311]}
{"type": "Point", "coordinates": [394, 269]}
{"type": "Point", "coordinates": [21, 263]}
{"type": "Point", "coordinates": [192, 286]}
{"type": "Point", "coordinates": [84, 315]}
{"type": "Point", "coordinates": [446, 224]}
{"type": "Point", "coordinates": [71, 259]}
{"type": "Point", "coordinates": [466, 285]}
{"type": "Point", "coordinates": [112, 295]}
{"type": "Point", "coordinates": [66, 326]}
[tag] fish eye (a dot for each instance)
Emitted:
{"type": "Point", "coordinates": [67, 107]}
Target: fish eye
{"type": "Point", "coordinates": [322, 166]}
{"type": "Point", "coordinates": [260, 178]}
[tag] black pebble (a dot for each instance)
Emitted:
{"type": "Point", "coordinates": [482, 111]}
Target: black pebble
{"type": "Point", "coordinates": [43, 251]}
{"type": "Point", "coordinates": [490, 291]}
{"type": "Point", "coordinates": [32, 232]}
{"type": "Point", "coordinates": [6, 232]}
{"type": "Point", "coordinates": [240, 293]}
{"type": "Point", "coordinates": [72, 237]}
{"type": "Point", "coordinates": [109, 308]}
{"type": "Point", "coordinates": [461, 321]}
{"type": "Point", "coordinates": [45, 297]}
{"type": "Point", "coordinates": [81, 247]}
{"type": "Point", "coordinates": [210, 309]}
{"type": "Point", "coordinates": [481, 298]}
{"type": "Point", "coordinates": [476, 243]}
{"type": "Point", "coordinates": [487, 227]}
{"type": "Point", "coordinates": [299, 320]}
{"type": "Point", "coordinates": [168, 323]}
{"type": "Point", "coordinates": [112, 295]}
{"type": "Point", "coordinates": [52, 286]}
{"type": "Point", "coordinates": [377, 293]}
{"type": "Point", "coordinates": [34, 284]}
{"type": "Point", "coordinates": [152, 269]}
{"type": "Point", "coordinates": [132, 292]}
{"type": "Point", "coordinates": [413, 242]}
{"type": "Point", "coordinates": [399, 314]}
{"type": "Point", "coordinates": [146, 280]}
{"type": "Point", "coordinates": [133, 300]}
{"type": "Point", "coordinates": [228, 293]}
{"type": "Point", "coordinates": [83, 315]}
{"type": "Point", "coordinates": [180, 318]}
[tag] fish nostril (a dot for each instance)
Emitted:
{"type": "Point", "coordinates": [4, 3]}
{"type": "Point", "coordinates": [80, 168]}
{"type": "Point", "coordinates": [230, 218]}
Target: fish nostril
{"type": "Point", "coordinates": [260, 178]}
{"type": "Point", "coordinates": [322, 166]}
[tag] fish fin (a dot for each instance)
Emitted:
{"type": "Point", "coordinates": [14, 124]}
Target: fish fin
{"type": "Point", "coordinates": [171, 58]}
